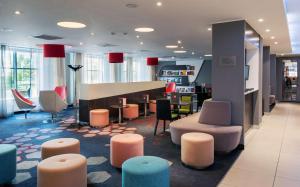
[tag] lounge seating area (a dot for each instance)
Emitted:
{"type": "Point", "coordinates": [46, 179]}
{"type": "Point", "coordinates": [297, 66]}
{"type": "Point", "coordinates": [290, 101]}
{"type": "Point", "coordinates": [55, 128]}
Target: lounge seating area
{"type": "Point", "coordinates": [149, 93]}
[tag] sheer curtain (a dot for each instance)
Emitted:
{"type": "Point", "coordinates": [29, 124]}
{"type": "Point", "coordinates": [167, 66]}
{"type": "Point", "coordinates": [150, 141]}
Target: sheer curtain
{"type": "Point", "coordinates": [6, 101]}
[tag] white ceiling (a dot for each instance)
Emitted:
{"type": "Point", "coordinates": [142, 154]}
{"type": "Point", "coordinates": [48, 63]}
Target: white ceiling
{"type": "Point", "coordinates": [293, 16]}
{"type": "Point", "coordinates": [185, 20]}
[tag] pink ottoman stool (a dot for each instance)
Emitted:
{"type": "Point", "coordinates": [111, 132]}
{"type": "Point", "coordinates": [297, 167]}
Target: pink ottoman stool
{"type": "Point", "coordinates": [60, 146]}
{"type": "Point", "coordinates": [152, 106]}
{"type": "Point", "coordinates": [125, 146]}
{"type": "Point", "coordinates": [131, 111]}
{"type": "Point", "coordinates": [197, 150]}
{"type": "Point", "coordinates": [67, 170]}
{"type": "Point", "coordinates": [99, 117]}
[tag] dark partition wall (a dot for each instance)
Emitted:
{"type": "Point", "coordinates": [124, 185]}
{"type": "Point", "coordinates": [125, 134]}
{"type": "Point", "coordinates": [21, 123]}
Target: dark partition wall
{"type": "Point", "coordinates": [266, 78]}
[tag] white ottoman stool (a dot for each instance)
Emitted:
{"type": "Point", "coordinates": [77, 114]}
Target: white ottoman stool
{"type": "Point", "coordinates": [67, 170]}
{"type": "Point", "coordinates": [60, 146]}
{"type": "Point", "coordinates": [197, 150]}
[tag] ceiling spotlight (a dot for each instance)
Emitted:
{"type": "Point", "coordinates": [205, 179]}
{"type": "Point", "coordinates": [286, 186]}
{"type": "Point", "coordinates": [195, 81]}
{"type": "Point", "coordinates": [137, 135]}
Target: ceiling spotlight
{"type": "Point", "coordinates": [193, 53]}
{"type": "Point", "coordinates": [159, 3]}
{"type": "Point", "coordinates": [260, 20]}
{"type": "Point", "coordinates": [137, 36]}
{"type": "Point", "coordinates": [92, 34]}
{"type": "Point", "coordinates": [17, 12]}
{"type": "Point", "coordinates": [209, 28]}
{"type": "Point", "coordinates": [275, 43]}
{"type": "Point", "coordinates": [180, 51]}
{"type": "Point", "coordinates": [142, 43]}
{"type": "Point", "coordinates": [171, 46]}
{"type": "Point", "coordinates": [173, 57]}
{"type": "Point", "coordinates": [208, 55]}
{"type": "Point", "coordinates": [268, 30]}
{"type": "Point", "coordinates": [179, 41]}
{"type": "Point", "coordinates": [272, 37]}
{"type": "Point", "coordinates": [80, 43]}
{"type": "Point", "coordinates": [282, 54]}
{"type": "Point", "coordinates": [71, 25]}
{"type": "Point", "coordinates": [144, 29]}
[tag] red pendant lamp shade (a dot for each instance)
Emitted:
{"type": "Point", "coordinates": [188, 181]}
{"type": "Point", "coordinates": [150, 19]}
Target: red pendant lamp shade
{"type": "Point", "coordinates": [171, 87]}
{"type": "Point", "coordinates": [54, 51]}
{"type": "Point", "coordinates": [152, 61]}
{"type": "Point", "coordinates": [115, 57]}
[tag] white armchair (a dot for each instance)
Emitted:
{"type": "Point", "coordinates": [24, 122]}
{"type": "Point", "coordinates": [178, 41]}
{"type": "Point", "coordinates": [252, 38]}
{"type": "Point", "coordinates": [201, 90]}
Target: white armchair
{"type": "Point", "coordinates": [51, 102]}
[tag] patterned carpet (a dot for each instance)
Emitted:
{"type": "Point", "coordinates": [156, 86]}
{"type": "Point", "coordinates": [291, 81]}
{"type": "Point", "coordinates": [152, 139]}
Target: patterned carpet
{"type": "Point", "coordinates": [29, 134]}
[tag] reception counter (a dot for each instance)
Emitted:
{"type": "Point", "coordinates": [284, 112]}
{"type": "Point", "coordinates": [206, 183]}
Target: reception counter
{"type": "Point", "coordinates": [102, 96]}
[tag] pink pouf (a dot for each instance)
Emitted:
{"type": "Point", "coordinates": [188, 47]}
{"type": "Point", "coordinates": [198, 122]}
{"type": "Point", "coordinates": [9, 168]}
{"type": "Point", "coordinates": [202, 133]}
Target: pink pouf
{"type": "Point", "coordinates": [99, 117]}
{"type": "Point", "coordinates": [125, 146]}
{"type": "Point", "coordinates": [152, 106]}
{"type": "Point", "coordinates": [131, 111]}
{"type": "Point", "coordinates": [66, 170]}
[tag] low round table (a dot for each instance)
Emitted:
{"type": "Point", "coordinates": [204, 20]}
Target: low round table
{"type": "Point", "coordinates": [119, 107]}
{"type": "Point", "coordinates": [197, 150]}
{"type": "Point", "coordinates": [60, 146]}
{"type": "Point", "coordinates": [66, 170]}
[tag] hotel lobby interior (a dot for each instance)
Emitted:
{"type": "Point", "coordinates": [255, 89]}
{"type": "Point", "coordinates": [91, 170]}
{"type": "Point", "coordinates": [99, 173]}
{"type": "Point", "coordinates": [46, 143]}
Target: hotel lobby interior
{"type": "Point", "coordinates": [156, 93]}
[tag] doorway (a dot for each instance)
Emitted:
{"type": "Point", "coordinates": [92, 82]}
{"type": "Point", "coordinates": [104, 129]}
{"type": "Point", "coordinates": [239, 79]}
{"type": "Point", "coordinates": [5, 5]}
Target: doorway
{"type": "Point", "coordinates": [290, 83]}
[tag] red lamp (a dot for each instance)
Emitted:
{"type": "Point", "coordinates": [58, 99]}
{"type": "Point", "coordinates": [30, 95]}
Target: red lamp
{"type": "Point", "coordinates": [171, 87]}
{"type": "Point", "coordinates": [115, 57]}
{"type": "Point", "coordinates": [152, 61]}
{"type": "Point", "coordinates": [54, 51]}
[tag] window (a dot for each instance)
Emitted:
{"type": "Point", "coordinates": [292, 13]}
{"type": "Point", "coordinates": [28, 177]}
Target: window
{"type": "Point", "coordinates": [93, 69]}
{"type": "Point", "coordinates": [22, 71]}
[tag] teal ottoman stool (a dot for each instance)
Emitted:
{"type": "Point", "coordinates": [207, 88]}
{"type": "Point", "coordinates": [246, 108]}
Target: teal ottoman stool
{"type": "Point", "coordinates": [145, 171]}
{"type": "Point", "coordinates": [8, 163]}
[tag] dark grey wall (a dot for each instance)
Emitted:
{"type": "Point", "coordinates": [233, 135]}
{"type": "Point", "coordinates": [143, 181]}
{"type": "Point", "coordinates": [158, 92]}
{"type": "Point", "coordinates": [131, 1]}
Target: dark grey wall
{"type": "Point", "coordinates": [273, 74]}
{"type": "Point", "coordinates": [279, 79]}
{"type": "Point", "coordinates": [266, 78]}
{"type": "Point", "coordinates": [228, 80]}
{"type": "Point", "coordinates": [204, 75]}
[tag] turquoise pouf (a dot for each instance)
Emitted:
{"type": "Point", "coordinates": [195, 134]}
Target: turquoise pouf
{"type": "Point", "coordinates": [8, 163]}
{"type": "Point", "coordinates": [145, 171]}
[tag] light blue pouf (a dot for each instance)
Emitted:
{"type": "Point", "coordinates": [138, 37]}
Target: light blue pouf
{"type": "Point", "coordinates": [8, 163]}
{"type": "Point", "coordinates": [145, 171]}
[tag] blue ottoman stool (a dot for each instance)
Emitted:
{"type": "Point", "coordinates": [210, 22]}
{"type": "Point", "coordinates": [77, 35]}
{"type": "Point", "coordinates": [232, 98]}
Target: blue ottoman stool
{"type": "Point", "coordinates": [8, 163]}
{"type": "Point", "coordinates": [145, 171]}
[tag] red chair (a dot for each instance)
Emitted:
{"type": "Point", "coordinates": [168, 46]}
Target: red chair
{"type": "Point", "coordinates": [171, 87]}
{"type": "Point", "coordinates": [62, 92]}
{"type": "Point", "coordinates": [24, 104]}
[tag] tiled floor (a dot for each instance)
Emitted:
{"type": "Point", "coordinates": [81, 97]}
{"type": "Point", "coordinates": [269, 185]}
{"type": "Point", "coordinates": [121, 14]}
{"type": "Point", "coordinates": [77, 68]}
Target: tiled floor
{"type": "Point", "coordinates": [271, 156]}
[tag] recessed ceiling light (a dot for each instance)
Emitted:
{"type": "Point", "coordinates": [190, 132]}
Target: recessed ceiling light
{"type": "Point", "coordinates": [180, 51]}
{"type": "Point", "coordinates": [208, 55]}
{"type": "Point", "coordinates": [268, 30]}
{"type": "Point", "coordinates": [275, 43]}
{"type": "Point", "coordinates": [209, 28]}
{"type": "Point", "coordinates": [142, 43]}
{"type": "Point", "coordinates": [193, 53]}
{"type": "Point", "coordinates": [80, 43]}
{"type": "Point", "coordinates": [144, 29]}
{"type": "Point", "coordinates": [272, 37]}
{"type": "Point", "coordinates": [71, 25]}
{"type": "Point", "coordinates": [171, 46]}
{"type": "Point", "coordinates": [260, 20]}
{"type": "Point", "coordinates": [92, 34]}
{"type": "Point", "coordinates": [179, 41]}
{"type": "Point", "coordinates": [173, 57]}
{"type": "Point", "coordinates": [137, 36]}
{"type": "Point", "coordinates": [282, 54]}
{"type": "Point", "coordinates": [17, 12]}
{"type": "Point", "coordinates": [159, 3]}
{"type": "Point", "coordinates": [181, 47]}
